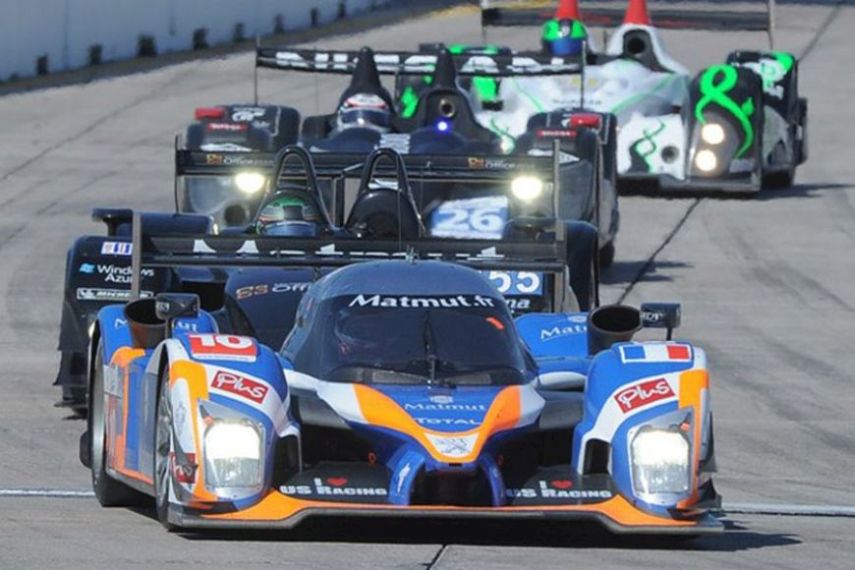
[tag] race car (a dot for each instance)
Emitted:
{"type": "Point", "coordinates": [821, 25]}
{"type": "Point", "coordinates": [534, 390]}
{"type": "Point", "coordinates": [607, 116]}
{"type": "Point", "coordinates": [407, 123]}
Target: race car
{"type": "Point", "coordinates": [405, 388]}
{"type": "Point", "coordinates": [384, 206]}
{"type": "Point", "coordinates": [443, 123]}
{"type": "Point", "coordinates": [735, 126]}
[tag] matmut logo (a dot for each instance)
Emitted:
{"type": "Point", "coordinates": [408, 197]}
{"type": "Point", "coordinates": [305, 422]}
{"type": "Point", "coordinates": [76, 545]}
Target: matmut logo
{"type": "Point", "coordinates": [643, 393]}
{"type": "Point", "coordinates": [240, 385]}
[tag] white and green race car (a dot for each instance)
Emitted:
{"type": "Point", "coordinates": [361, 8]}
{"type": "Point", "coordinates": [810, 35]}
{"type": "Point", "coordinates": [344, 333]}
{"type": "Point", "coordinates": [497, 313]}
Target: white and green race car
{"type": "Point", "coordinates": [737, 126]}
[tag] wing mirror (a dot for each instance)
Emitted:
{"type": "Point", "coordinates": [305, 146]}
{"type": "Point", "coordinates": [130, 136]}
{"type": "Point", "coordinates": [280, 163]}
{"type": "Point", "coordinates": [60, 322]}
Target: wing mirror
{"type": "Point", "coordinates": [661, 316]}
{"type": "Point", "coordinates": [171, 306]}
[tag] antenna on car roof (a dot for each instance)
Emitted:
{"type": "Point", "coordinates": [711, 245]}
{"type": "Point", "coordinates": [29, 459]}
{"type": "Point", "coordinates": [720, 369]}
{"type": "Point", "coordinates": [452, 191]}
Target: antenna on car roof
{"type": "Point", "coordinates": [255, 71]}
{"type": "Point", "coordinates": [582, 74]}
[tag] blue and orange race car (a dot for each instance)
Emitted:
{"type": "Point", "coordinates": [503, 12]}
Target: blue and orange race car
{"type": "Point", "coordinates": [405, 387]}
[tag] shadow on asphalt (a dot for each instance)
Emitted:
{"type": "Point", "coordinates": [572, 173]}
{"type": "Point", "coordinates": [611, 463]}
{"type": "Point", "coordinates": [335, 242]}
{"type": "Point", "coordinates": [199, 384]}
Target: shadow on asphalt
{"type": "Point", "coordinates": [795, 191]}
{"type": "Point", "coordinates": [628, 271]}
{"type": "Point", "coordinates": [525, 534]}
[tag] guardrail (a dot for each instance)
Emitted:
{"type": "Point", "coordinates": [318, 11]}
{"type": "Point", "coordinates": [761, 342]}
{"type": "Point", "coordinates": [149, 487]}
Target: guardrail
{"type": "Point", "coordinates": [38, 37]}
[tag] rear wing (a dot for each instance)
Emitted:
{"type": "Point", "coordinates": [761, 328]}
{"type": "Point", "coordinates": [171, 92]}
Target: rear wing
{"type": "Point", "coordinates": [416, 63]}
{"type": "Point", "coordinates": [170, 251]}
{"type": "Point", "coordinates": [445, 168]}
{"type": "Point", "coordinates": [504, 13]}
{"type": "Point", "coordinates": [337, 168]}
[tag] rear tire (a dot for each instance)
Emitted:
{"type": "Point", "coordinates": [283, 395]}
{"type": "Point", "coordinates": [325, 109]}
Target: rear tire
{"type": "Point", "coordinates": [163, 449]}
{"type": "Point", "coordinates": [108, 491]}
{"type": "Point", "coordinates": [607, 255]}
{"type": "Point", "coordinates": [779, 180]}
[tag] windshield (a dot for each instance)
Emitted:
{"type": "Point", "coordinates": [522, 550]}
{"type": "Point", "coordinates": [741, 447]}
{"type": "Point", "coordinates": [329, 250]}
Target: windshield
{"type": "Point", "coordinates": [400, 339]}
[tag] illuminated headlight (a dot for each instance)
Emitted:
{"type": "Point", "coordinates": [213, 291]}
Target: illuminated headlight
{"type": "Point", "coordinates": [453, 446]}
{"type": "Point", "coordinates": [706, 160]}
{"type": "Point", "coordinates": [660, 462]}
{"type": "Point", "coordinates": [233, 455]}
{"type": "Point", "coordinates": [712, 133]}
{"type": "Point", "coordinates": [250, 182]}
{"type": "Point", "coordinates": [527, 188]}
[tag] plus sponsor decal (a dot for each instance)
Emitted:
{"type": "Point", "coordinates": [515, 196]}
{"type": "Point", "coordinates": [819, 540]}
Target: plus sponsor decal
{"type": "Point", "coordinates": [223, 347]}
{"type": "Point", "coordinates": [643, 393]}
{"type": "Point", "coordinates": [239, 385]}
{"type": "Point", "coordinates": [334, 487]}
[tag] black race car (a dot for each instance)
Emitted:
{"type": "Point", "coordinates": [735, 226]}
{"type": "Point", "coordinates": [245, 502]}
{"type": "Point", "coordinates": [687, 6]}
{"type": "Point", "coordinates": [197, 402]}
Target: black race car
{"type": "Point", "coordinates": [384, 208]}
{"type": "Point", "coordinates": [443, 123]}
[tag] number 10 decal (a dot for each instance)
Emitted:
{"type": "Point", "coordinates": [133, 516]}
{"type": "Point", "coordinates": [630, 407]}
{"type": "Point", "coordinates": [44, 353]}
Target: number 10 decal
{"type": "Point", "coordinates": [223, 347]}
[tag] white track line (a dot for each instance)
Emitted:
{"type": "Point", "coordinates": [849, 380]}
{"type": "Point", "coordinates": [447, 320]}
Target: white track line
{"type": "Point", "coordinates": [49, 493]}
{"type": "Point", "coordinates": [788, 510]}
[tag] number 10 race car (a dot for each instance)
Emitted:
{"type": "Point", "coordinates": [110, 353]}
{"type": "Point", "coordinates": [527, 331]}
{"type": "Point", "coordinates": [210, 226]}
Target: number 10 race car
{"type": "Point", "coordinates": [404, 388]}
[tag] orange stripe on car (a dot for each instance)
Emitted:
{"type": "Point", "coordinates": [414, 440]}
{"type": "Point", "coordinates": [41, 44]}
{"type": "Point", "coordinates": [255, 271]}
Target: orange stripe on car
{"type": "Point", "coordinates": [693, 384]}
{"type": "Point", "coordinates": [382, 411]}
{"type": "Point", "coordinates": [193, 374]}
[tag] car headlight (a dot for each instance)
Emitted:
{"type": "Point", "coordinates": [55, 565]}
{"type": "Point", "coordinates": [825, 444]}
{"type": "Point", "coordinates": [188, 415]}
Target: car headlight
{"type": "Point", "coordinates": [706, 160]}
{"type": "Point", "coordinates": [233, 455]}
{"type": "Point", "coordinates": [250, 182]}
{"type": "Point", "coordinates": [527, 188]}
{"type": "Point", "coordinates": [660, 462]}
{"type": "Point", "coordinates": [712, 133]}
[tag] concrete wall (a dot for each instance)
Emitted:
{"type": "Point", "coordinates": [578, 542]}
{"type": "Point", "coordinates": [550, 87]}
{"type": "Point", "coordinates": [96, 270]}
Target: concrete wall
{"type": "Point", "coordinates": [43, 36]}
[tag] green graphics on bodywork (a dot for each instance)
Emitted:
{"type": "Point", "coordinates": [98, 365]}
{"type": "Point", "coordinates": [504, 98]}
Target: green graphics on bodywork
{"type": "Point", "coordinates": [553, 30]}
{"type": "Point", "coordinates": [716, 84]}
{"type": "Point", "coordinates": [486, 88]}
{"type": "Point", "coordinates": [651, 146]}
{"type": "Point", "coordinates": [772, 71]}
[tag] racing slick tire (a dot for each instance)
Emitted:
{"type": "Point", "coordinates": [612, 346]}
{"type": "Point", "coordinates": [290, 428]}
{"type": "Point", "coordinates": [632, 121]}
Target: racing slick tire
{"type": "Point", "coordinates": [607, 255]}
{"type": "Point", "coordinates": [108, 491]}
{"type": "Point", "coordinates": [163, 449]}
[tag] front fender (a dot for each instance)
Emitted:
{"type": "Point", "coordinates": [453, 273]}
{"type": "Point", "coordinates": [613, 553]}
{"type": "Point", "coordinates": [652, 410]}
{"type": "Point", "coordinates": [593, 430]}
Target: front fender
{"type": "Point", "coordinates": [633, 385]}
{"type": "Point", "coordinates": [209, 383]}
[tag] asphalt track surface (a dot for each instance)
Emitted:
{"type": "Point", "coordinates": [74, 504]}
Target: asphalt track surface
{"type": "Point", "coordinates": [766, 285]}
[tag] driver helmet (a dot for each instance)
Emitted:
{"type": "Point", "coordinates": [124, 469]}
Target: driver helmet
{"type": "Point", "coordinates": [364, 110]}
{"type": "Point", "coordinates": [564, 37]}
{"type": "Point", "coordinates": [288, 215]}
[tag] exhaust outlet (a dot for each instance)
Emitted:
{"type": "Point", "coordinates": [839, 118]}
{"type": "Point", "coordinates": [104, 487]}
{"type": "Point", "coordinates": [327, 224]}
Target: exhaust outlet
{"type": "Point", "coordinates": [610, 324]}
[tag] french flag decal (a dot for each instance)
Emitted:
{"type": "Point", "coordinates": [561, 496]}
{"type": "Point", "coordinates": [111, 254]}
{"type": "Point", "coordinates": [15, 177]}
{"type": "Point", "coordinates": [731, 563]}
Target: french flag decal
{"type": "Point", "coordinates": [655, 352]}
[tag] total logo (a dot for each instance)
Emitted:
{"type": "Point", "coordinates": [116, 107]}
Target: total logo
{"type": "Point", "coordinates": [333, 486]}
{"type": "Point", "coordinates": [113, 273]}
{"type": "Point", "coordinates": [240, 386]}
{"type": "Point", "coordinates": [557, 489]}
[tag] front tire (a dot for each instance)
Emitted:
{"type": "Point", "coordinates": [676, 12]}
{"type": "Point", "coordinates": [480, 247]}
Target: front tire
{"type": "Point", "coordinates": [163, 449]}
{"type": "Point", "coordinates": [108, 491]}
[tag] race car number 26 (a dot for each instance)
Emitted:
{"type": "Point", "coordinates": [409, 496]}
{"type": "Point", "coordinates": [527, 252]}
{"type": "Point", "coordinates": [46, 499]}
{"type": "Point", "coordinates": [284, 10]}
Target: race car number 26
{"type": "Point", "coordinates": [516, 283]}
{"type": "Point", "coordinates": [475, 218]}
